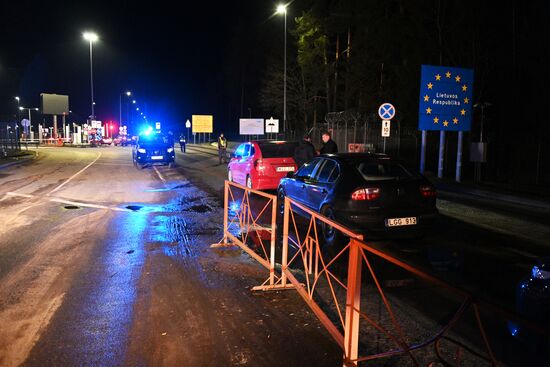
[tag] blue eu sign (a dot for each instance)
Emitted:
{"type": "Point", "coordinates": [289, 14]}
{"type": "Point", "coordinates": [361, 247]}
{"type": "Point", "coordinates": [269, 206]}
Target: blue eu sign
{"type": "Point", "coordinates": [445, 98]}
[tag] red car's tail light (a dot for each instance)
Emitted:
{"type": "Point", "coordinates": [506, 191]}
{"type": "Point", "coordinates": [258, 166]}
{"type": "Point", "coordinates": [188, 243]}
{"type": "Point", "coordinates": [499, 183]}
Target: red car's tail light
{"type": "Point", "coordinates": [428, 191]}
{"type": "Point", "coordinates": [258, 164]}
{"type": "Point", "coordinates": [368, 194]}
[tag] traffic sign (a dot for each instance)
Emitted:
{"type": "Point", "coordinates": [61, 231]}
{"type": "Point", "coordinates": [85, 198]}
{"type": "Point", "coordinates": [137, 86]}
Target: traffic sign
{"type": "Point", "coordinates": [25, 122]}
{"type": "Point", "coordinates": [157, 125]}
{"type": "Point", "coordinates": [386, 111]}
{"type": "Point", "coordinates": [386, 128]}
{"type": "Point", "coordinates": [272, 125]}
{"type": "Point", "coordinates": [445, 102]}
{"type": "Point", "coordinates": [188, 124]}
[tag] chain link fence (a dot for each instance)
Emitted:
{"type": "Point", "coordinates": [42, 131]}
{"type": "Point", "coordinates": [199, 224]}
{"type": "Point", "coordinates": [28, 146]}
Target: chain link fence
{"type": "Point", "coordinates": [358, 132]}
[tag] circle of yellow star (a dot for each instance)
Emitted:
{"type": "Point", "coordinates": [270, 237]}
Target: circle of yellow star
{"type": "Point", "coordinates": [426, 98]}
{"type": "Point", "coordinates": [445, 123]}
{"type": "Point", "coordinates": [438, 77]}
{"type": "Point", "coordinates": [455, 121]}
{"type": "Point", "coordinates": [448, 74]}
{"type": "Point", "coordinates": [428, 110]}
{"type": "Point", "coordinates": [464, 88]}
{"type": "Point", "coordinates": [436, 120]}
{"type": "Point", "coordinates": [457, 78]}
{"type": "Point", "coordinates": [466, 100]}
{"type": "Point", "coordinates": [463, 112]}
{"type": "Point", "coordinates": [430, 85]}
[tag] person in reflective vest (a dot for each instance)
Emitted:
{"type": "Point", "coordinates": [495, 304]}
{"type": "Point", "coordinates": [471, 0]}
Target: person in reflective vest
{"type": "Point", "coordinates": [222, 148]}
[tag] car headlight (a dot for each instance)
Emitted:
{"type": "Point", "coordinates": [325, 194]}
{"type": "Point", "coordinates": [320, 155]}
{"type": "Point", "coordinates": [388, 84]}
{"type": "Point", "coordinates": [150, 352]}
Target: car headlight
{"type": "Point", "coordinates": [141, 150]}
{"type": "Point", "coordinates": [170, 150]}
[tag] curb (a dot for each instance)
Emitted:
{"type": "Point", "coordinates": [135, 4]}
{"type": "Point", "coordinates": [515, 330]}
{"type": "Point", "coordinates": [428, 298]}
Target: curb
{"type": "Point", "coordinates": [18, 161]}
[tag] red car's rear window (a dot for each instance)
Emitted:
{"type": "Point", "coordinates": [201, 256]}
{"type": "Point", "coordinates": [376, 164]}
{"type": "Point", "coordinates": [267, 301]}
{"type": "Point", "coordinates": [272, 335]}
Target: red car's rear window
{"type": "Point", "coordinates": [278, 149]}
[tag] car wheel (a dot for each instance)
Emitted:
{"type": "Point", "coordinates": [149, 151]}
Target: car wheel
{"type": "Point", "coordinates": [331, 236]}
{"type": "Point", "coordinates": [229, 176]}
{"type": "Point", "coordinates": [249, 182]}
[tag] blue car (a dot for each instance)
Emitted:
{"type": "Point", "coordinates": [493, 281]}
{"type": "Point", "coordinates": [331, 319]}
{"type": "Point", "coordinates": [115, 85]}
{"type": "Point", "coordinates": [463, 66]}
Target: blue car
{"type": "Point", "coordinates": [153, 148]}
{"type": "Point", "coordinates": [372, 194]}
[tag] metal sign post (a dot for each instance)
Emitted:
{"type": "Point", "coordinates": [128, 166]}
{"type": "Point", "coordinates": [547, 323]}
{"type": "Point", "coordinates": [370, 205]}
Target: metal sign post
{"type": "Point", "coordinates": [386, 111]}
{"type": "Point", "coordinates": [445, 105]}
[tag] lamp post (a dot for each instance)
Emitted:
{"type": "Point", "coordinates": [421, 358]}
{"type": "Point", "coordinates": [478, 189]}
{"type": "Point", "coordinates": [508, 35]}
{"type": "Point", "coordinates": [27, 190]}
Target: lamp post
{"type": "Point", "coordinates": [281, 9]}
{"type": "Point", "coordinates": [91, 37]}
{"type": "Point", "coordinates": [18, 117]}
{"type": "Point", "coordinates": [128, 93]}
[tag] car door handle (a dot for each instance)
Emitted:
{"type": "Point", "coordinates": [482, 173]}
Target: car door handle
{"type": "Point", "coordinates": [303, 186]}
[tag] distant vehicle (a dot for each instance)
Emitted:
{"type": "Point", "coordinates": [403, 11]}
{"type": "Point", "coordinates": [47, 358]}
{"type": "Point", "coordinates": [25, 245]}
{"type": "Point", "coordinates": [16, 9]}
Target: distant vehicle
{"type": "Point", "coordinates": [261, 164]}
{"type": "Point", "coordinates": [106, 141]}
{"type": "Point", "coordinates": [371, 194]}
{"type": "Point", "coordinates": [121, 140]}
{"type": "Point", "coordinates": [153, 148]}
{"type": "Point", "coordinates": [533, 303]}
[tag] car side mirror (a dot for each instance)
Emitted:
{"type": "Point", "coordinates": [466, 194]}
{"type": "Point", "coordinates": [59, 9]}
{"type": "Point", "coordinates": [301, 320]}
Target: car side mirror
{"type": "Point", "coordinates": [290, 174]}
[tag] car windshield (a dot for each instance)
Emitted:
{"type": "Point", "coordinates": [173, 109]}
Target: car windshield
{"type": "Point", "coordinates": [277, 149]}
{"type": "Point", "coordinates": [153, 140]}
{"type": "Point", "coordinates": [374, 170]}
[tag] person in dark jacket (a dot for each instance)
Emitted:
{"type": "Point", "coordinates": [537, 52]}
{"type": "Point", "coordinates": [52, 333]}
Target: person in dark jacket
{"type": "Point", "coordinates": [304, 151]}
{"type": "Point", "coordinates": [329, 146]}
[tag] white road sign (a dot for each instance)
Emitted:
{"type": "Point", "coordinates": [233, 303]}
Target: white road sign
{"type": "Point", "coordinates": [272, 125]}
{"type": "Point", "coordinates": [188, 124]}
{"type": "Point", "coordinates": [385, 128]}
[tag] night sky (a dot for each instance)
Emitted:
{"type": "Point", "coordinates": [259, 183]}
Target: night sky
{"type": "Point", "coordinates": [171, 59]}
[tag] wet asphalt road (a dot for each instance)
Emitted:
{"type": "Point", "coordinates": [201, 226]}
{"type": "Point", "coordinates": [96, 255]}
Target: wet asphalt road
{"type": "Point", "coordinates": [105, 264]}
{"type": "Point", "coordinates": [106, 285]}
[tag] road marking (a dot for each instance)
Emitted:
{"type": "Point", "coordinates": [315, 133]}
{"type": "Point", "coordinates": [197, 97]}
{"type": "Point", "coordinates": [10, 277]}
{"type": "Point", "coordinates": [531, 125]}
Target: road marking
{"type": "Point", "coordinates": [73, 176]}
{"type": "Point", "coordinates": [69, 202]}
{"type": "Point", "coordinates": [87, 205]}
{"type": "Point", "coordinates": [18, 194]}
{"type": "Point", "coordinates": [158, 173]}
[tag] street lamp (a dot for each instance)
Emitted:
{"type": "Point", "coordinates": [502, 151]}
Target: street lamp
{"type": "Point", "coordinates": [18, 117]}
{"type": "Point", "coordinates": [128, 93]}
{"type": "Point", "coordinates": [91, 37]}
{"type": "Point", "coordinates": [281, 9]}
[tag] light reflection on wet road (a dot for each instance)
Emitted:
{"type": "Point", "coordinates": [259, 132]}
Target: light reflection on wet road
{"type": "Point", "coordinates": [93, 323]}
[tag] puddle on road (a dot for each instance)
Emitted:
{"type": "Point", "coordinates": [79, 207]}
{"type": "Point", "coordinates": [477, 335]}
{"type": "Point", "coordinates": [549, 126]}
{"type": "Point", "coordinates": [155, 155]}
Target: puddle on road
{"type": "Point", "coordinates": [200, 208]}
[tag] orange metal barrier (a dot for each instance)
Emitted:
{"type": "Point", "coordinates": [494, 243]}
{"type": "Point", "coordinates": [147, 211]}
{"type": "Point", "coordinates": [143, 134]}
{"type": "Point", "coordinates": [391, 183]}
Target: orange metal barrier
{"type": "Point", "coordinates": [244, 223]}
{"type": "Point", "coordinates": [345, 295]}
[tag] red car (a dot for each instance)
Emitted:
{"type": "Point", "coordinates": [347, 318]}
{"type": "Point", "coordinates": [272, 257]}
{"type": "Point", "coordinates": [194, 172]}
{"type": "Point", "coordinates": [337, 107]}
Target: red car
{"type": "Point", "coordinates": [261, 164]}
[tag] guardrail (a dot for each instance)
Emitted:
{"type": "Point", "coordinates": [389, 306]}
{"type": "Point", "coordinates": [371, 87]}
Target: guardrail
{"type": "Point", "coordinates": [331, 284]}
{"type": "Point", "coordinates": [345, 295]}
{"type": "Point", "coordinates": [252, 227]}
